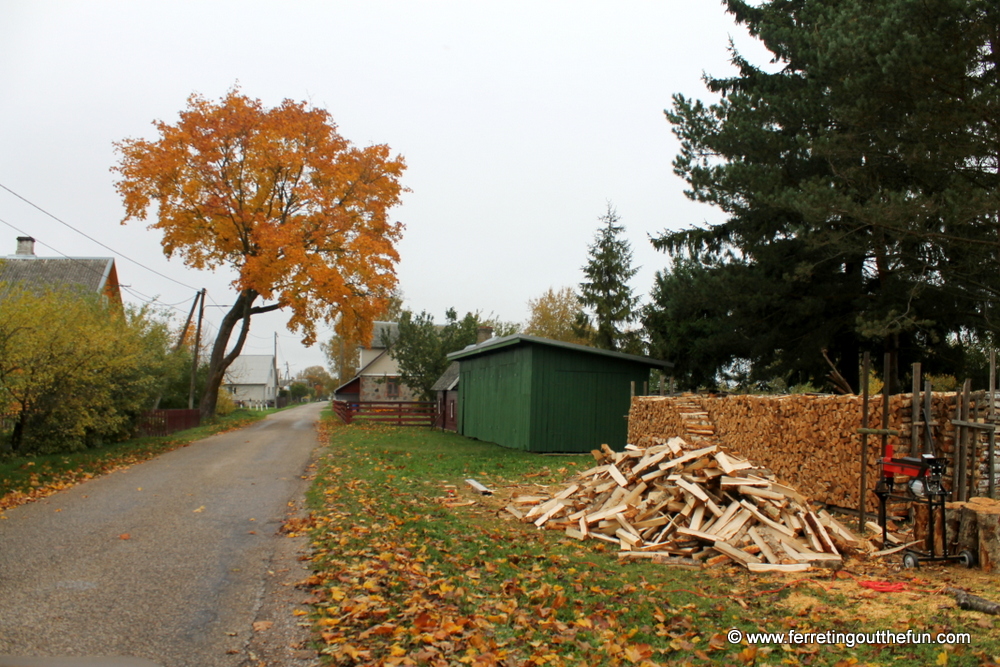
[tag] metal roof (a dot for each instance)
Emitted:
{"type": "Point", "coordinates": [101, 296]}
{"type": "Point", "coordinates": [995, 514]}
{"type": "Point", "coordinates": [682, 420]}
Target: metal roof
{"type": "Point", "coordinates": [495, 344]}
{"type": "Point", "coordinates": [251, 369]}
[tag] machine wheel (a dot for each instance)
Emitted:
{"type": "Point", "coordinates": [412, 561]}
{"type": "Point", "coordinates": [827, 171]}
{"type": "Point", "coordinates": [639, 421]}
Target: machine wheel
{"type": "Point", "coordinates": [967, 558]}
{"type": "Point", "coordinates": [910, 561]}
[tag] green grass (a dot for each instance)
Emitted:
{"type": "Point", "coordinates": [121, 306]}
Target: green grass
{"type": "Point", "coordinates": [406, 575]}
{"type": "Point", "coordinates": [26, 477]}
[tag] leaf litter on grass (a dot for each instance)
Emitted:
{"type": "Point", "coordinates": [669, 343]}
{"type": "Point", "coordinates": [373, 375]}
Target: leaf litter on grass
{"type": "Point", "coordinates": [412, 568]}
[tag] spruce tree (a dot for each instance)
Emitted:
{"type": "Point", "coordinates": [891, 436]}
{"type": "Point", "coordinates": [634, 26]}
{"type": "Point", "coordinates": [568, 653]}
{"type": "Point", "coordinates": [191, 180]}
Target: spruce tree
{"type": "Point", "coordinates": [605, 289]}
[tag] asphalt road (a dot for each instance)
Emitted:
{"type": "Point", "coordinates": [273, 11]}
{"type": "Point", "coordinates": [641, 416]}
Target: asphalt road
{"type": "Point", "coordinates": [168, 560]}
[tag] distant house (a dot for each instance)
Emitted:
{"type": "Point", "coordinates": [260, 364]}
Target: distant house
{"type": "Point", "coordinates": [542, 395]}
{"type": "Point", "coordinates": [252, 379]}
{"type": "Point", "coordinates": [446, 390]}
{"type": "Point", "coordinates": [91, 275]}
{"type": "Point", "coordinates": [378, 378]}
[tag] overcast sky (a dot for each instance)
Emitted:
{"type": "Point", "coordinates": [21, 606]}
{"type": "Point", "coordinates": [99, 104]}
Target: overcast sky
{"type": "Point", "coordinates": [519, 121]}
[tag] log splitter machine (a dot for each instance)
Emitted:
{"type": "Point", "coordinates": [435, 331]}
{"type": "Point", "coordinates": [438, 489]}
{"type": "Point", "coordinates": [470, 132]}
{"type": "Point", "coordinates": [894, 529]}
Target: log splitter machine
{"type": "Point", "coordinates": [925, 473]}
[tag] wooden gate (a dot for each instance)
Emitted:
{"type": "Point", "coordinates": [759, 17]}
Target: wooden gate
{"type": "Point", "coordinates": [399, 413]}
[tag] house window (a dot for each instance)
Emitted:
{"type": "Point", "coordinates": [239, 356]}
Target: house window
{"type": "Point", "coordinates": [392, 388]}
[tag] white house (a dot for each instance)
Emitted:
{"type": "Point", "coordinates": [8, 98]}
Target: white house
{"type": "Point", "coordinates": [252, 379]}
{"type": "Point", "coordinates": [378, 379]}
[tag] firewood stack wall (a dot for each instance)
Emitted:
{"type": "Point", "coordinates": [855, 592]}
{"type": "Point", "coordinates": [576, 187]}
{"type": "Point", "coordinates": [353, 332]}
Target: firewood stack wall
{"type": "Point", "coordinates": [809, 441]}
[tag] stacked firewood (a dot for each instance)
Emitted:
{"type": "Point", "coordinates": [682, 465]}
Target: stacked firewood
{"type": "Point", "coordinates": [679, 505]}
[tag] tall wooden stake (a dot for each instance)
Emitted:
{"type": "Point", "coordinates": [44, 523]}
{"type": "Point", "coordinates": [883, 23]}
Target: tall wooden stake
{"type": "Point", "coordinates": [885, 402]}
{"type": "Point", "coordinates": [862, 514]}
{"type": "Point", "coordinates": [197, 345]}
{"type": "Point", "coordinates": [915, 411]}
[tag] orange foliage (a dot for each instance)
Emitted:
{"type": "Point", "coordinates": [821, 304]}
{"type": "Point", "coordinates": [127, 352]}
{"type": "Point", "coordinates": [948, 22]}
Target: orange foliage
{"type": "Point", "coordinates": [278, 195]}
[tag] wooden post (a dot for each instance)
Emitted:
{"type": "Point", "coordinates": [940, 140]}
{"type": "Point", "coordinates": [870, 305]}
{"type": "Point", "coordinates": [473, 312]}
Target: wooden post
{"type": "Point", "coordinates": [915, 411]}
{"type": "Point", "coordinates": [993, 383]}
{"type": "Point", "coordinates": [928, 414]}
{"type": "Point", "coordinates": [862, 514]}
{"type": "Point", "coordinates": [632, 389]}
{"type": "Point", "coordinates": [962, 449]}
{"type": "Point", "coordinates": [991, 445]}
{"type": "Point", "coordinates": [885, 402]}
{"type": "Point", "coordinates": [991, 484]}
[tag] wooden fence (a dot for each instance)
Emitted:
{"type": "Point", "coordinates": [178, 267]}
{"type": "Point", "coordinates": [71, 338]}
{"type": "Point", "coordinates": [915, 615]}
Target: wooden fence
{"type": "Point", "coordinates": [165, 422]}
{"type": "Point", "coordinates": [399, 413]}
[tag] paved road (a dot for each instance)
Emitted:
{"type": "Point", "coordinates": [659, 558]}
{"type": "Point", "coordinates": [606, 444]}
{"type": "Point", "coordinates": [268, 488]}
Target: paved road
{"type": "Point", "coordinates": [185, 586]}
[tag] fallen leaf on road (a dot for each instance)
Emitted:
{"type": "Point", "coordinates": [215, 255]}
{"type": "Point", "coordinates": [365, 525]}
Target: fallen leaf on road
{"type": "Point", "coordinates": [260, 626]}
{"type": "Point", "coordinates": [200, 509]}
{"type": "Point", "coordinates": [124, 536]}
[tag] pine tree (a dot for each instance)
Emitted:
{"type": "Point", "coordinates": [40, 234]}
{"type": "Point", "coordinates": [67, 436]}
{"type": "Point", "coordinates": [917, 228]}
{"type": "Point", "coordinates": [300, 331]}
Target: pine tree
{"type": "Point", "coordinates": [860, 183]}
{"type": "Point", "coordinates": [606, 290]}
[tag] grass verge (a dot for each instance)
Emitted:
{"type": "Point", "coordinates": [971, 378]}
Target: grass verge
{"type": "Point", "coordinates": [412, 568]}
{"type": "Point", "coordinates": [27, 478]}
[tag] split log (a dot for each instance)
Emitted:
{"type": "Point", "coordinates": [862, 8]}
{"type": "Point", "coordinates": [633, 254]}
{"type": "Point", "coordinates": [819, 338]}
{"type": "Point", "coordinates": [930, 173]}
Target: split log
{"type": "Point", "coordinates": [687, 503]}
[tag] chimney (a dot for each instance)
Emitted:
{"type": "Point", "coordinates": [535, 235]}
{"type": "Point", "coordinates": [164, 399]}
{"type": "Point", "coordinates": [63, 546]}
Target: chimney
{"type": "Point", "coordinates": [26, 246]}
{"type": "Point", "coordinates": [483, 334]}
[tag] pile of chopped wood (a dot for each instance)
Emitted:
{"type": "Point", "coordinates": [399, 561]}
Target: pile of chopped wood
{"type": "Point", "coordinates": [676, 505]}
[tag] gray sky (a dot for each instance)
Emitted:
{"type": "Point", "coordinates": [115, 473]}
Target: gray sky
{"type": "Point", "coordinates": [518, 122]}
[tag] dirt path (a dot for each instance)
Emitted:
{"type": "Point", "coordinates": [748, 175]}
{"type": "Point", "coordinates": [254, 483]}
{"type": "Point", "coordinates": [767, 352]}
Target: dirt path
{"type": "Point", "coordinates": [173, 560]}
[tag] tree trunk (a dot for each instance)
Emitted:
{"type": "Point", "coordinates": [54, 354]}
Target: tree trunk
{"type": "Point", "coordinates": [17, 436]}
{"type": "Point", "coordinates": [219, 360]}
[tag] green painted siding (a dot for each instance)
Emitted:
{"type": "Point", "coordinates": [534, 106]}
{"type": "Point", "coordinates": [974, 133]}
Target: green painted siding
{"type": "Point", "coordinates": [494, 397]}
{"type": "Point", "coordinates": [543, 398]}
{"type": "Point", "coordinates": [579, 400]}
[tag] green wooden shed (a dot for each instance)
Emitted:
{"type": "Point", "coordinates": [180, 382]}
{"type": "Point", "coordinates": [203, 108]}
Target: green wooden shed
{"type": "Point", "coordinates": [543, 395]}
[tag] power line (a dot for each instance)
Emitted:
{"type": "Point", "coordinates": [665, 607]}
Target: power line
{"type": "Point", "coordinates": [76, 260]}
{"type": "Point", "coordinates": [63, 222]}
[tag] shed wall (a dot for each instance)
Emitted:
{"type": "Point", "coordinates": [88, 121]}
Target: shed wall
{"type": "Point", "coordinates": [580, 401]}
{"type": "Point", "coordinates": [494, 403]}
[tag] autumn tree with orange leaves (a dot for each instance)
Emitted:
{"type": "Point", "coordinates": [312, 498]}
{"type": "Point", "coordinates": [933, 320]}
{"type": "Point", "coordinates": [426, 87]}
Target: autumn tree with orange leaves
{"type": "Point", "coordinates": [278, 195]}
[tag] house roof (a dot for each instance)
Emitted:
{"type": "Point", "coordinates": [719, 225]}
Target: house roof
{"type": "Point", "coordinates": [448, 379]}
{"type": "Point", "coordinates": [494, 344]}
{"type": "Point", "coordinates": [382, 329]}
{"type": "Point", "coordinates": [251, 369]}
{"type": "Point", "coordinates": [90, 274]}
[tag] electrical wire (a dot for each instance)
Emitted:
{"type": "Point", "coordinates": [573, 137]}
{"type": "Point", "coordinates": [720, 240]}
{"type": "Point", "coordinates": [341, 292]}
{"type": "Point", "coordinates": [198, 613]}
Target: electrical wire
{"type": "Point", "coordinates": [145, 298]}
{"type": "Point", "coordinates": [122, 255]}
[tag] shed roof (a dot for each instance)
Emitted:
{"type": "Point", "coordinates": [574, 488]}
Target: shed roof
{"type": "Point", "coordinates": [494, 344]}
{"type": "Point", "coordinates": [448, 379]}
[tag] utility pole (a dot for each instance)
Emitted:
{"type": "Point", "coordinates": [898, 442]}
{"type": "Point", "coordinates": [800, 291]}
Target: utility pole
{"type": "Point", "coordinates": [187, 322]}
{"type": "Point", "coordinates": [197, 345]}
